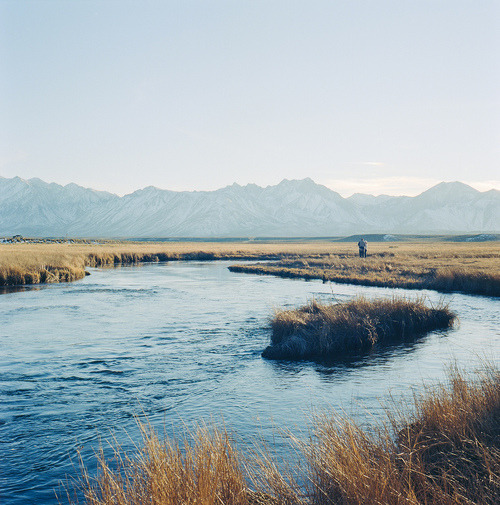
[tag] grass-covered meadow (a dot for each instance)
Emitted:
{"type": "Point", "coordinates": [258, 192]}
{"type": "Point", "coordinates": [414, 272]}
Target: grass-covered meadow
{"type": "Point", "coordinates": [443, 266]}
{"type": "Point", "coordinates": [25, 263]}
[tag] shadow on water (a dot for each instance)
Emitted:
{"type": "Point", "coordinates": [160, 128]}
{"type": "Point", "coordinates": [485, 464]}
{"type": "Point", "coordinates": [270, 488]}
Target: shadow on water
{"type": "Point", "coordinates": [4, 290]}
{"type": "Point", "coordinates": [130, 264]}
{"type": "Point", "coordinates": [332, 368]}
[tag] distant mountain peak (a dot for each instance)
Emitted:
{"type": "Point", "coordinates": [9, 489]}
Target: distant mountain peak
{"type": "Point", "coordinates": [292, 208]}
{"type": "Point", "coordinates": [363, 199]}
{"type": "Point", "coordinates": [454, 190]}
{"type": "Point", "coordinates": [453, 186]}
{"type": "Point", "coordinates": [300, 182]}
{"type": "Point", "coordinates": [306, 185]}
{"type": "Point", "coordinates": [146, 190]}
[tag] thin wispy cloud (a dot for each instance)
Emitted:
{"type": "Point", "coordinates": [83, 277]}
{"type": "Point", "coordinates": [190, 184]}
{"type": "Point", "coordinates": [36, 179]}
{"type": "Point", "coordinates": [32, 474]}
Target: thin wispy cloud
{"type": "Point", "coordinates": [410, 186]}
{"type": "Point", "coordinates": [11, 160]}
{"type": "Point", "coordinates": [372, 163]}
{"type": "Point", "coordinates": [395, 186]}
{"type": "Point", "coordinates": [484, 185]}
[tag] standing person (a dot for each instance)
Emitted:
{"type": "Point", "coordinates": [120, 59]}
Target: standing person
{"type": "Point", "coordinates": [362, 245]}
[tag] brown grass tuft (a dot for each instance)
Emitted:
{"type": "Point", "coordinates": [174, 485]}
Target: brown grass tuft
{"type": "Point", "coordinates": [447, 452]}
{"type": "Point", "coordinates": [205, 470]}
{"type": "Point", "coordinates": [321, 331]}
{"type": "Point", "coordinates": [18, 268]}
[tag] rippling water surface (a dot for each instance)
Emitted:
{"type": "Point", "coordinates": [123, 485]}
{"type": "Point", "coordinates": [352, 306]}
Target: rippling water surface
{"type": "Point", "coordinates": [179, 343]}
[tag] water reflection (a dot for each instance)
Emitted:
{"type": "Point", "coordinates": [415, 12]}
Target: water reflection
{"type": "Point", "coordinates": [18, 289]}
{"type": "Point", "coordinates": [375, 356]}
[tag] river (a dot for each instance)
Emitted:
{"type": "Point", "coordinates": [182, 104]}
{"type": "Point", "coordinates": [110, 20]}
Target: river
{"type": "Point", "coordinates": [180, 343]}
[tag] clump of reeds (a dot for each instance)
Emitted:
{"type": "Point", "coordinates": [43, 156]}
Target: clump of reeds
{"type": "Point", "coordinates": [18, 266]}
{"type": "Point", "coordinates": [324, 331]}
{"type": "Point", "coordinates": [448, 453]}
{"type": "Point", "coordinates": [459, 279]}
{"type": "Point", "coordinates": [45, 274]}
{"type": "Point", "coordinates": [205, 470]}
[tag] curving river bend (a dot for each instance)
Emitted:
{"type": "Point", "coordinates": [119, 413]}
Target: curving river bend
{"type": "Point", "coordinates": [180, 342]}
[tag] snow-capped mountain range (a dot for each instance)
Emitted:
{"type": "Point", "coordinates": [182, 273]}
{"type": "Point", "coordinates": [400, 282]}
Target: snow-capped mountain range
{"type": "Point", "coordinates": [292, 208]}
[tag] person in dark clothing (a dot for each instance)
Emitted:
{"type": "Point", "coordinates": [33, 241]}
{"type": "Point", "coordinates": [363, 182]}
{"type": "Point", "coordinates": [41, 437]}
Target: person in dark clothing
{"type": "Point", "coordinates": [362, 244]}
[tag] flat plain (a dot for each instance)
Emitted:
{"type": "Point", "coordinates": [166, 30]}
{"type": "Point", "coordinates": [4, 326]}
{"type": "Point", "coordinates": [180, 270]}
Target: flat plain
{"type": "Point", "coordinates": [444, 266]}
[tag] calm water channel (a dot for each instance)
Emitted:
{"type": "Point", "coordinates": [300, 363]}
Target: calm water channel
{"type": "Point", "coordinates": [179, 343]}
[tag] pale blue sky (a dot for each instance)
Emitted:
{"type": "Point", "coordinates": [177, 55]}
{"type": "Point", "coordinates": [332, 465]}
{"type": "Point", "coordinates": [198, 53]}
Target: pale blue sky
{"type": "Point", "coordinates": [374, 96]}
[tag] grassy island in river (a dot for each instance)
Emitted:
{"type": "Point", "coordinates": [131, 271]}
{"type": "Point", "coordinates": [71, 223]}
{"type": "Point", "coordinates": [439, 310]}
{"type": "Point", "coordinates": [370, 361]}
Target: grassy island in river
{"type": "Point", "coordinates": [319, 331]}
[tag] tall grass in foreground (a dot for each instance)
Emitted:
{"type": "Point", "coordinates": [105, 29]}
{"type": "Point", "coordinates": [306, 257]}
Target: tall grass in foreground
{"type": "Point", "coordinates": [322, 331]}
{"type": "Point", "coordinates": [446, 452]}
{"type": "Point", "coordinates": [206, 470]}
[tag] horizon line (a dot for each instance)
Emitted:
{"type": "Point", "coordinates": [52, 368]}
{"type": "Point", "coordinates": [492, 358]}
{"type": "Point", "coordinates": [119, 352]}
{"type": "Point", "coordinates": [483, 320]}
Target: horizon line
{"type": "Point", "coordinates": [425, 184]}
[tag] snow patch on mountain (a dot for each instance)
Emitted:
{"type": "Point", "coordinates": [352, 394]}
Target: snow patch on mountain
{"type": "Point", "coordinates": [291, 208]}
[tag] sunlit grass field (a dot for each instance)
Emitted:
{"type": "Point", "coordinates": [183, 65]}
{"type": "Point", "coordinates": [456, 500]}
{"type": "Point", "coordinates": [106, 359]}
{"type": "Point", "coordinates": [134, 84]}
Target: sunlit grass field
{"type": "Point", "coordinates": [444, 266]}
{"type": "Point", "coordinates": [25, 263]}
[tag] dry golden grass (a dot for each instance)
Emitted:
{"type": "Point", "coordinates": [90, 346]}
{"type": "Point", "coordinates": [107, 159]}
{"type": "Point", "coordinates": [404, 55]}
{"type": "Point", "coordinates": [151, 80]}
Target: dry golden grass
{"type": "Point", "coordinates": [447, 452]}
{"type": "Point", "coordinates": [206, 470]}
{"type": "Point", "coordinates": [34, 263]}
{"type": "Point", "coordinates": [327, 331]}
{"type": "Point", "coordinates": [445, 266]}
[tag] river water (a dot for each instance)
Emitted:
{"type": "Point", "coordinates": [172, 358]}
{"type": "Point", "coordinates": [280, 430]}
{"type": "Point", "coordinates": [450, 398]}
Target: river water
{"type": "Point", "coordinates": [180, 343]}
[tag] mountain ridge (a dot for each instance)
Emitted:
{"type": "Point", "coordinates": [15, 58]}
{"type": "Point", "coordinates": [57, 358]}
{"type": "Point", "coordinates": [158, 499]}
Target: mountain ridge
{"type": "Point", "coordinates": [290, 208]}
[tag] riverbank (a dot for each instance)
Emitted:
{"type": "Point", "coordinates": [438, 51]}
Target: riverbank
{"type": "Point", "coordinates": [445, 267]}
{"type": "Point", "coordinates": [29, 263]}
{"type": "Point", "coordinates": [321, 331]}
{"type": "Point", "coordinates": [463, 266]}
{"type": "Point", "coordinates": [444, 452]}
